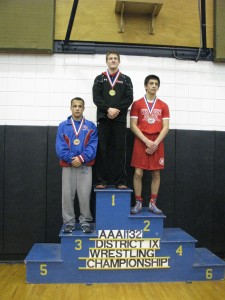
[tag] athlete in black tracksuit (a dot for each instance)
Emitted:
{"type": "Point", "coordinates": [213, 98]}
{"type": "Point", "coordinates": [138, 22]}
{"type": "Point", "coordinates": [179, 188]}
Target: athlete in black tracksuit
{"type": "Point", "coordinates": [111, 118]}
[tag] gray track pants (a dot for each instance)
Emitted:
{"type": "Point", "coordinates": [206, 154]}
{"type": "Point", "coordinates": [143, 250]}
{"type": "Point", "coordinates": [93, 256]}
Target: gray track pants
{"type": "Point", "coordinates": [76, 180]}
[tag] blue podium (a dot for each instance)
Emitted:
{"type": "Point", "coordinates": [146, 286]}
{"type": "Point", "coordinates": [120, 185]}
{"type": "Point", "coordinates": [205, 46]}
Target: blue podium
{"type": "Point", "coordinates": [122, 248]}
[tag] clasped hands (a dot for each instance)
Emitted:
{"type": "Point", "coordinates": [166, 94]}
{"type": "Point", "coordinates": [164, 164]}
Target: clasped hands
{"type": "Point", "coordinates": [76, 162]}
{"type": "Point", "coordinates": [112, 113]}
{"type": "Point", "coordinates": [151, 147]}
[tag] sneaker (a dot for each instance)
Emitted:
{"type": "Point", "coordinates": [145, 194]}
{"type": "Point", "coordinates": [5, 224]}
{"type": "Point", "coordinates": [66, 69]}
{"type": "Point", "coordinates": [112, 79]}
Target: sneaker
{"type": "Point", "coordinates": [68, 228]}
{"type": "Point", "coordinates": [122, 187]}
{"type": "Point", "coordinates": [100, 186]}
{"type": "Point", "coordinates": [153, 208]}
{"type": "Point", "coordinates": [137, 208]}
{"type": "Point", "coordinates": [86, 228]}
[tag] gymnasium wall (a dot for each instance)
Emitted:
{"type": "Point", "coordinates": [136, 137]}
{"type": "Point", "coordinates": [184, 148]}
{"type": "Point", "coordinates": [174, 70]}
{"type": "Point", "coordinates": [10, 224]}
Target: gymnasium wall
{"type": "Point", "coordinates": [36, 89]}
{"type": "Point", "coordinates": [178, 23]}
{"type": "Point", "coordinates": [27, 26]}
{"type": "Point", "coordinates": [35, 93]}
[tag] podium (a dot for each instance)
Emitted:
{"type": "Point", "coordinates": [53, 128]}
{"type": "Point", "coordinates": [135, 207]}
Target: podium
{"type": "Point", "coordinates": [122, 248]}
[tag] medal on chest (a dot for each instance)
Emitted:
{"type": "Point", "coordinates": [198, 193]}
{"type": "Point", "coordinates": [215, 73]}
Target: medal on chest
{"type": "Point", "coordinates": [112, 82]}
{"type": "Point", "coordinates": [112, 92]}
{"type": "Point", "coordinates": [151, 120]}
{"type": "Point", "coordinates": [150, 107]}
{"type": "Point", "coordinates": [77, 140]}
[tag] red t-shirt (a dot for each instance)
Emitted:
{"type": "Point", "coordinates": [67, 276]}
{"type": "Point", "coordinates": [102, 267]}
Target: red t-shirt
{"type": "Point", "coordinates": [150, 115]}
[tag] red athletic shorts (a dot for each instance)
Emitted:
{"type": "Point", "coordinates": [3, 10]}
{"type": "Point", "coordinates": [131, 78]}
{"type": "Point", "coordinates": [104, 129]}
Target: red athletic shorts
{"type": "Point", "coordinates": [142, 160]}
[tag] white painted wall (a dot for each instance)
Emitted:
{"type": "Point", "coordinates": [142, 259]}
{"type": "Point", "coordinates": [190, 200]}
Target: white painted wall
{"type": "Point", "coordinates": [37, 89]}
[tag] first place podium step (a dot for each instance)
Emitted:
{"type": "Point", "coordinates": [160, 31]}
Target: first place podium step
{"type": "Point", "coordinates": [122, 248]}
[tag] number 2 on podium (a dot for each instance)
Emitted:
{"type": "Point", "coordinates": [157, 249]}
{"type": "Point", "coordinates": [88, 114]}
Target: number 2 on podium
{"type": "Point", "coordinates": [147, 222]}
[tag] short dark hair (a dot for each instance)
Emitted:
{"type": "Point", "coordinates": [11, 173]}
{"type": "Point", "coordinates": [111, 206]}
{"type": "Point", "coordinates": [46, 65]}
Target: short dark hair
{"type": "Point", "coordinates": [149, 77]}
{"type": "Point", "coordinates": [112, 52]}
{"type": "Point", "coordinates": [77, 98]}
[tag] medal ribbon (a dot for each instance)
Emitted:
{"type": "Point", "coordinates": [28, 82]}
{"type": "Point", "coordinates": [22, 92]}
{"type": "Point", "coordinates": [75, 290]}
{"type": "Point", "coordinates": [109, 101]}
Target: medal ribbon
{"type": "Point", "coordinates": [74, 127]}
{"type": "Point", "coordinates": [112, 82]}
{"type": "Point", "coordinates": [150, 109]}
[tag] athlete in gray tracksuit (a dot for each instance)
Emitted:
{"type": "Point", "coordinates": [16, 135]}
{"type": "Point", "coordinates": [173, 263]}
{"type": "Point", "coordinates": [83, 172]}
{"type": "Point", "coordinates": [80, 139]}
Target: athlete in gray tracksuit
{"type": "Point", "coordinates": [76, 146]}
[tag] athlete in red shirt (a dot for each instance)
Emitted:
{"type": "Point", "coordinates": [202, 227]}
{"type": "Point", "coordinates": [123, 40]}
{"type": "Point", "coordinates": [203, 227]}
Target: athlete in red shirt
{"type": "Point", "coordinates": [149, 121]}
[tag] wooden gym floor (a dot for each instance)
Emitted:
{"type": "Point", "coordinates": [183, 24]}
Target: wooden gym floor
{"type": "Point", "coordinates": [13, 286]}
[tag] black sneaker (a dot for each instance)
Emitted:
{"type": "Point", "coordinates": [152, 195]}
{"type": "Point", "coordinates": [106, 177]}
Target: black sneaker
{"type": "Point", "coordinates": [86, 228]}
{"type": "Point", "coordinates": [68, 228]}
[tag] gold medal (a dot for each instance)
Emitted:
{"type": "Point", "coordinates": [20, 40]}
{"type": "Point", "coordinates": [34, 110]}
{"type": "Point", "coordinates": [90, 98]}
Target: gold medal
{"type": "Point", "coordinates": [112, 92]}
{"type": "Point", "coordinates": [76, 142]}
